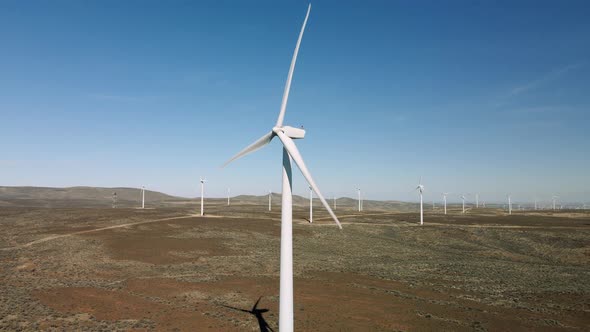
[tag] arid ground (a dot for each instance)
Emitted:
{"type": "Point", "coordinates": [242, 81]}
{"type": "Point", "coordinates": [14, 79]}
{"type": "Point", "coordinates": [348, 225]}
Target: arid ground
{"type": "Point", "coordinates": [128, 269]}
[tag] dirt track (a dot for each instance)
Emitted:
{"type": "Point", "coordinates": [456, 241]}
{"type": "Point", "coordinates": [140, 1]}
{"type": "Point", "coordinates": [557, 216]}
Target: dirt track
{"type": "Point", "coordinates": [161, 269]}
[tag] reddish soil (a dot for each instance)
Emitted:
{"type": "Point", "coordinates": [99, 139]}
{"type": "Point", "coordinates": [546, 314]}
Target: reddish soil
{"type": "Point", "coordinates": [117, 305]}
{"type": "Point", "coordinates": [333, 301]}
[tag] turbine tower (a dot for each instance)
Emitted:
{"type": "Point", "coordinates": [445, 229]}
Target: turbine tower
{"type": "Point", "coordinates": [143, 197]}
{"type": "Point", "coordinates": [359, 198]}
{"type": "Point", "coordinates": [476, 200]}
{"type": "Point", "coordinates": [509, 205]}
{"type": "Point", "coordinates": [463, 198]}
{"type": "Point", "coordinates": [445, 201]}
{"type": "Point", "coordinates": [420, 189]}
{"type": "Point", "coordinates": [286, 135]}
{"type": "Point", "coordinates": [310, 204]}
{"type": "Point", "coordinates": [362, 201]}
{"type": "Point", "coordinates": [269, 200]}
{"type": "Point", "coordinates": [202, 193]}
{"type": "Point", "coordinates": [554, 198]}
{"type": "Point", "coordinates": [228, 191]}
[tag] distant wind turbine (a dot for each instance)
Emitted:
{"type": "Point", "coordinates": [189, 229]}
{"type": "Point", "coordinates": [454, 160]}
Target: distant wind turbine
{"type": "Point", "coordinates": [445, 201]}
{"type": "Point", "coordinates": [420, 189]}
{"type": "Point", "coordinates": [202, 194]}
{"type": "Point", "coordinates": [463, 198]}
{"type": "Point", "coordinates": [228, 191]}
{"type": "Point", "coordinates": [286, 134]}
{"type": "Point", "coordinates": [269, 200]}
{"type": "Point", "coordinates": [477, 200]}
{"type": "Point", "coordinates": [554, 198]}
{"type": "Point", "coordinates": [509, 204]}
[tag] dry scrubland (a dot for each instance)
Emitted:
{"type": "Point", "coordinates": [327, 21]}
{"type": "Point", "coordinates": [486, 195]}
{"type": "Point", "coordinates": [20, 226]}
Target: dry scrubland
{"type": "Point", "coordinates": [172, 271]}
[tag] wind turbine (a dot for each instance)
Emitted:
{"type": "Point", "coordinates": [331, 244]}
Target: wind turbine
{"type": "Point", "coordinates": [445, 200]}
{"type": "Point", "coordinates": [554, 198]}
{"type": "Point", "coordinates": [476, 200]}
{"type": "Point", "coordinates": [202, 193]}
{"type": "Point", "coordinates": [269, 200]}
{"type": "Point", "coordinates": [509, 205]}
{"type": "Point", "coordinates": [228, 191]}
{"type": "Point", "coordinates": [286, 134]}
{"type": "Point", "coordinates": [463, 198]}
{"type": "Point", "coordinates": [420, 189]}
{"type": "Point", "coordinates": [143, 197]}
{"type": "Point", "coordinates": [310, 204]}
{"type": "Point", "coordinates": [359, 195]}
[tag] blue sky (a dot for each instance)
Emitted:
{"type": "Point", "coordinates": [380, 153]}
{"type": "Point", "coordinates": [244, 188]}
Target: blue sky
{"type": "Point", "coordinates": [474, 96]}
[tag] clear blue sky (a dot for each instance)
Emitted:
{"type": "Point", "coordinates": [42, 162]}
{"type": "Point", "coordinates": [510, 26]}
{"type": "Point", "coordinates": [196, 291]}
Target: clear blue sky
{"type": "Point", "coordinates": [474, 96]}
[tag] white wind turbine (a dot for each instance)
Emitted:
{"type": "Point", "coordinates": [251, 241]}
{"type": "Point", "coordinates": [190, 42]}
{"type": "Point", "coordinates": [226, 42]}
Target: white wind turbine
{"type": "Point", "coordinates": [269, 200]}
{"type": "Point", "coordinates": [310, 204]}
{"type": "Point", "coordinates": [463, 198]}
{"type": "Point", "coordinates": [476, 200]}
{"type": "Point", "coordinates": [445, 201]}
{"type": "Point", "coordinates": [420, 189]}
{"type": "Point", "coordinates": [553, 199]}
{"type": "Point", "coordinates": [228, 191]}
{"type": "Point", "coordinates": [286, 134]}
{"type": "Point", "coordinates": [202, 193]}
{"type": "Point", "coordinates": [509, 204]}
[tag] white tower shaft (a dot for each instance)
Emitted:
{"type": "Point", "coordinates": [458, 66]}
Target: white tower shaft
{"type": "Point", "coordinates": [286, 272]}
{"type": "Point", "coordinates": [269, 200]}
{"type": "Point", "coordinates": [310, 204]}
{"type": "Point", "coordinates": [421, 211]}
{"type": "Point", "coordinates": [202, 193]}
{"type": "Point", "coordinates": [359, 198]}
{"type": "Point", "coordinates": [445, 199]}
{"type": "Point", "coordinates": [143, 197]}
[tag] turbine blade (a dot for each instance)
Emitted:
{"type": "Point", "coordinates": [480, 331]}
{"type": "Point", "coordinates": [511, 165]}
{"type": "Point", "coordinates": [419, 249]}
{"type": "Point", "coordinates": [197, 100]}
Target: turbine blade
{"type": "Point", "coordinates": [294, 153]}
{"type": "Point", "coordinates": [262, 141]}
{"type": "Point", "coordinates": [256, 304]}
{"type": "Point", "coordinates": [290, 76]}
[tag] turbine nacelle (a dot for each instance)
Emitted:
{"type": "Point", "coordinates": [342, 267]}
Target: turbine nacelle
{"type": "Point", "coordinates": [292, 132]}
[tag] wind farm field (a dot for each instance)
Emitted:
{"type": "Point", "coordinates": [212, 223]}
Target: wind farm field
{"type": "Point", "coordinates": [129, 269]}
